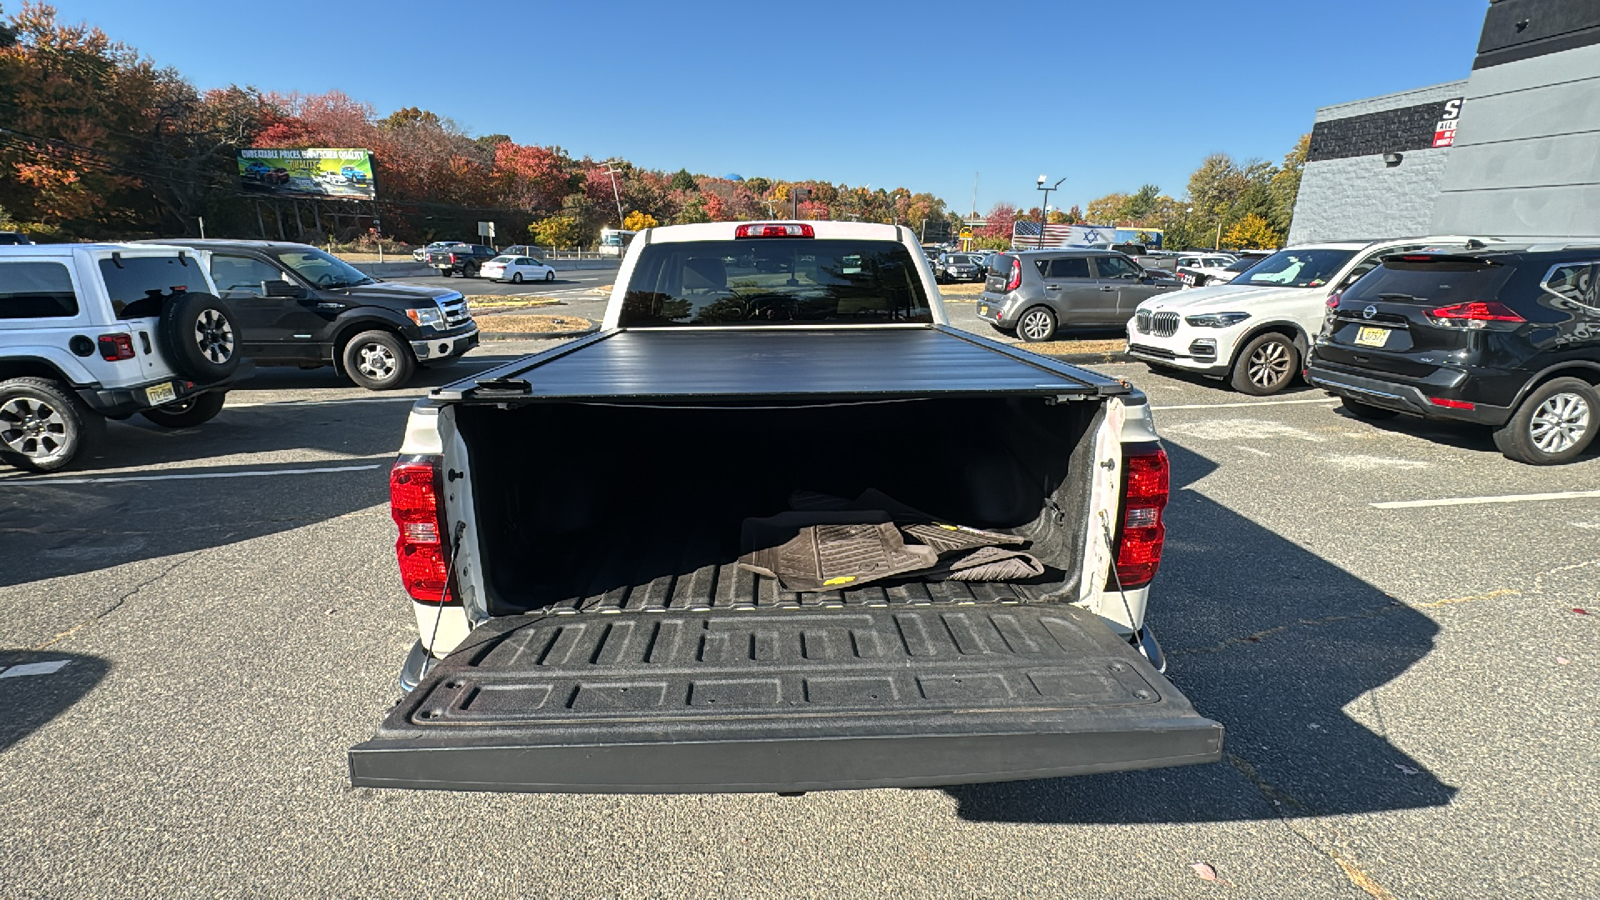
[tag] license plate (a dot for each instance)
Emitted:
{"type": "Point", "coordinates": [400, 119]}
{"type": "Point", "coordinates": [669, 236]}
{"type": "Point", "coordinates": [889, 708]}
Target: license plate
{"type": "Point", "coordinates": [983, 310]}
{"type": "Point", "coordinates": [157, 394]}
{"type": "Point", "coordinates": [1369, 336]}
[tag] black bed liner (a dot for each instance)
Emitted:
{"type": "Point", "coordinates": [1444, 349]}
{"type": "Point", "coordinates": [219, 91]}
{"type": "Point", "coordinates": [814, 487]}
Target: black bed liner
{"type": "Point", "coordinates": [784, 700]}
{"type": "Point", "coordinates": [740, 363]}
{"type": "Point", "coordinates": [725, 586]}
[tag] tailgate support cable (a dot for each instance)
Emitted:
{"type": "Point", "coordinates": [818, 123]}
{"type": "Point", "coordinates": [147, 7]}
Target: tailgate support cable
{"type": "Point", "coordinates": [449, 577]}
{"type": "Point", "coordinates": [1116, 577]}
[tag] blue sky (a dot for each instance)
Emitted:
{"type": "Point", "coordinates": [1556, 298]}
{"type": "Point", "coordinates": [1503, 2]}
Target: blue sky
{"type": "Point", "coordinates": [921, 95]}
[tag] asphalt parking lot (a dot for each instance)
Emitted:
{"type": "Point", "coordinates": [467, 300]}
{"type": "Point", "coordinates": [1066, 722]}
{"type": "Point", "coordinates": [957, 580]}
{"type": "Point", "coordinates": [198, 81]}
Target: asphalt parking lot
{"type": "Point", "coordinates": [200, 622]}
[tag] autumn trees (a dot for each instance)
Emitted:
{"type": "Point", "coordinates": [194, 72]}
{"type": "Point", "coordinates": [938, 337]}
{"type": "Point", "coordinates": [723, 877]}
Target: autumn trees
{"type": "Point", "coordinates": [1249, 205]}
{"type": "Point", "coordinates": [97, 141]}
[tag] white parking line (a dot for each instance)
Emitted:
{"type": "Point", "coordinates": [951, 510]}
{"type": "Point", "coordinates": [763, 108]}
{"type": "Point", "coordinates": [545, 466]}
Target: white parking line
{"type": "Point", "coordinates": [409, 398]}
{"type": "Point", "coordinates": [187, 476]}
{"type": "Point", "coordinates": [38, 668]}
{"type": "Point", "coordinates": [1474, 501]}
{"type": "Point", "coordinates": [1246, 403]}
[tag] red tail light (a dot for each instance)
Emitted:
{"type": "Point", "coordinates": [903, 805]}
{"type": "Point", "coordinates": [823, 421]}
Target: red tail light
{"type": "Point", "coordinates": [116, 346]}
{"type": "Point", "coordinates": [1145, 488]}
{"type": "Point", "coordinates": [414, 488]}
{"type": "Point", "coordinates": [1015, 281]}
{"type": "Point", "coordinates": [1477, 311]}
{"type": "Point", "coordinates": [766, 230]}
{"type": "Point", "coordinates": [1333, 301]}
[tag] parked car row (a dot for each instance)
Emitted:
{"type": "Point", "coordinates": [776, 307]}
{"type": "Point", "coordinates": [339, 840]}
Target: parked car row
{"type": "Point", "coordinates": [1034, 293]}
{"type": "Point", "coordinates": [515, 264]}
{"type": "Point", "coordinates": [163, 329]}
{"type": "Point", "coordinates": [1451, 328]}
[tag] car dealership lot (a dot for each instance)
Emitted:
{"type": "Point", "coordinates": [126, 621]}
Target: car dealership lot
{"type": "Point", "coordinates": [225, 603]}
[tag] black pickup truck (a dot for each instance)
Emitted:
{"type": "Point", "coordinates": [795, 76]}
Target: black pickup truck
{"type": "Point", "coordinates": [462, 259]}
{"type": "Point", "coordinates": [299, 306]}
{"type": "Point", "coordinates": [822, 540]}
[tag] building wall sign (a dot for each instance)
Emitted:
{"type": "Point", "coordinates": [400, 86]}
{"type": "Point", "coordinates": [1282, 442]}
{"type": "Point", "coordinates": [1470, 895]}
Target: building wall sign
{"type": "Point", "coordinates": [1444, 133]}
{"type": "Point", "coordinates": [1418, 127]}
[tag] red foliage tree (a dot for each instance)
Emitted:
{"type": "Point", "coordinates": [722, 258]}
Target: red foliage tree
{"type": "Point", "coordinates": [999, 221]}
{"type": "Point", "coordinates": [530, 177]}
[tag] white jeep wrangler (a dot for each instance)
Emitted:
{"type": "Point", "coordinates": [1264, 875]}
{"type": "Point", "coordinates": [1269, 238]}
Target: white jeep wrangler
{"type": "Point", "coordinates": [96, 331]}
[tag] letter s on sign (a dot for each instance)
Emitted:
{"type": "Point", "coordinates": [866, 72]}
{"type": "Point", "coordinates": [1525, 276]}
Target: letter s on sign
{"type": "Point", "coordinates": [1452, 108]}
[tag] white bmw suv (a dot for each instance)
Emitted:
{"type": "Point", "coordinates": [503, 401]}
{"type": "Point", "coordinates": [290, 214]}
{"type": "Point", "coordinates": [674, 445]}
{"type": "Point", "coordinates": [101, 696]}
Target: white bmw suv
{"type": "Point", "coordinates": [1254, 331]}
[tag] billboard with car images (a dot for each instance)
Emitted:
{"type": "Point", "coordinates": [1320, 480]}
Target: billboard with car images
{"type": "Point", "coordinates": [308, 172]}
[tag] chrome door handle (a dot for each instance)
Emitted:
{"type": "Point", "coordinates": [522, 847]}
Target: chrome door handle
{"type": "Point", "coordinates": [1052, 287]}
{"type": "Point", "coordinates": [1108, 288]}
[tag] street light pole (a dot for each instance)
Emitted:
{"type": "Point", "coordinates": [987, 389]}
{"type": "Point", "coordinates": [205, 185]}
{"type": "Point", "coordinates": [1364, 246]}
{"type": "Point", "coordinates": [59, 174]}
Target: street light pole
{"type": "Point", "coordinates": [1044, 214]}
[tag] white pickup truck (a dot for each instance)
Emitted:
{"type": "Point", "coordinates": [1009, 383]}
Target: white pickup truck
{"type": "Point", "coordinates": [819, 539]}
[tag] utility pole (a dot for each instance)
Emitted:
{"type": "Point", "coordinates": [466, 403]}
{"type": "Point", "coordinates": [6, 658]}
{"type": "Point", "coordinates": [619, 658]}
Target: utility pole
{"type": "Point", "coordinates": [615, 193]}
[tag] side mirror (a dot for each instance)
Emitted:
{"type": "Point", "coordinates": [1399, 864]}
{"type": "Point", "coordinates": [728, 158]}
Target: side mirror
{"type": "Point", "coordinates": [284, 289]}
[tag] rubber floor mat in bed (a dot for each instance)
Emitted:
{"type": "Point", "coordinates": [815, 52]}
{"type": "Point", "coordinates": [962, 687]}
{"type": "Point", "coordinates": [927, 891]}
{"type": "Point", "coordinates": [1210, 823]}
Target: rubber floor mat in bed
{"type": "Point", "coordinates": [814, 551]}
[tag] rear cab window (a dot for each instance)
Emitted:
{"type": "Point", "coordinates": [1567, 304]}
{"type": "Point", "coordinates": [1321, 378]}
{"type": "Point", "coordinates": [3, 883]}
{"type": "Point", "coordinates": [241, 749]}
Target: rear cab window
{"type": "Point", "coordinates": [138, 286]}
{"type": "Point", "coordinates": [36, 289]}
{"type": "Point", "coordinates": [774, 282]}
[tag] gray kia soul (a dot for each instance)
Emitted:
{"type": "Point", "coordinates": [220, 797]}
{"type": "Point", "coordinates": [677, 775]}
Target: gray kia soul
{"type": "Point", "coordinates": [1033, 293]}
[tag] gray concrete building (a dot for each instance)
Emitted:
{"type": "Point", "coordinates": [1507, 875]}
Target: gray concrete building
{"type": "Point", "coordinates": [1375, 167]}
{"type": "Point", "coordinates": [1512, 152]}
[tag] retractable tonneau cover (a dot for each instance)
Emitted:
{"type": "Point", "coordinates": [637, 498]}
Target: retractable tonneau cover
{"type": "Point", "coordinates": [835, 363]}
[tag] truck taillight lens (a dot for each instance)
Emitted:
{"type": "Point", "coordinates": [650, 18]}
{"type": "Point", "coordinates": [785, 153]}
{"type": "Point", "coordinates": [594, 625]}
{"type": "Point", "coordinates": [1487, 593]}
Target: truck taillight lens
{"type": "Point", "coordinates": [114, 347]}
{"type": "Point", "coordinates": [414, 488]}
{"type": "Point", "coordinates": [1015, 280]}
{"type": "Point", "coordinates": [1142, 533]}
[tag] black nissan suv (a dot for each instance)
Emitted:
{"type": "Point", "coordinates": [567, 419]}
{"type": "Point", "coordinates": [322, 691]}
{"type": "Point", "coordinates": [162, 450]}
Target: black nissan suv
{"type": "Point", "coordinates": [1504, 337]}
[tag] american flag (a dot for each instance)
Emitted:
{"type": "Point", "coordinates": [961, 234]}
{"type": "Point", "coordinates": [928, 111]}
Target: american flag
{"type": "Point", "coordinates": [1026, 234]}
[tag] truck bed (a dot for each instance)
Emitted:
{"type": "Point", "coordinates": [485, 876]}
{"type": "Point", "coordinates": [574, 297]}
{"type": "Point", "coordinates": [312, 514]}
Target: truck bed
{"type": "Point", "coordinates": [649, 572]}
{"type": "Point", "coordinates": [627, 507]}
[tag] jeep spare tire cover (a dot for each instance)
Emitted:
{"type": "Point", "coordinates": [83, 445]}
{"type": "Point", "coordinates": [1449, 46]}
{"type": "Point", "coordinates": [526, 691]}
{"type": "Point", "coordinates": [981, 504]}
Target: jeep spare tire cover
{"type": "Point", "coordinates": [200, 336]}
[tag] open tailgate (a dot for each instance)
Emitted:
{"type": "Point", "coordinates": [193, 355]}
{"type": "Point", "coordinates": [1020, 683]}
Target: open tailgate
{"type": "Point", "coordinates": [784, 700]}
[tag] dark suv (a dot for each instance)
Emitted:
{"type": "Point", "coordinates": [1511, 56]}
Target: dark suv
{"type": "Point", "coordinates": [1033, 293]}
{"type": "Point", "coordinates": [1508, 338]}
